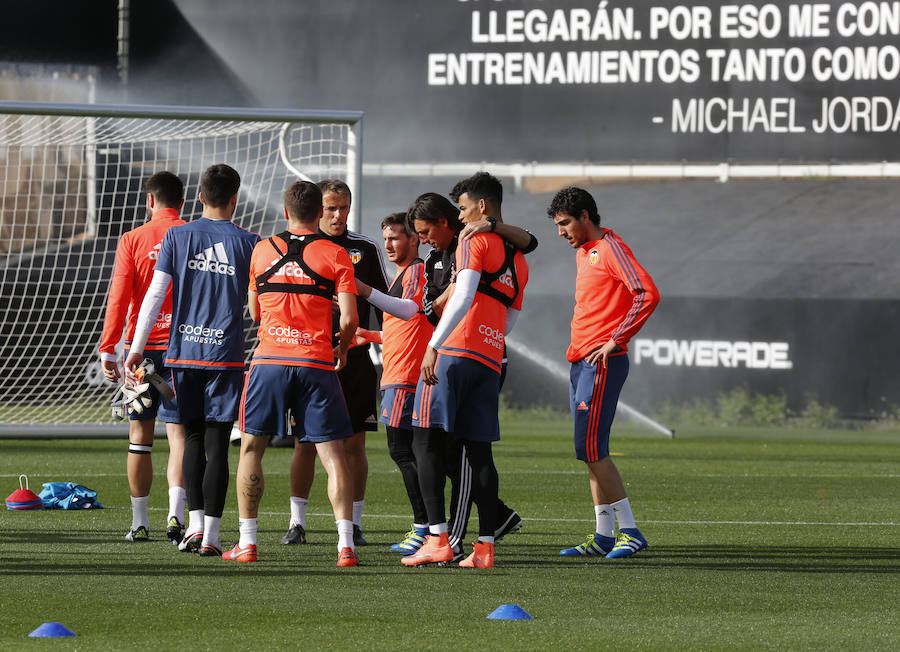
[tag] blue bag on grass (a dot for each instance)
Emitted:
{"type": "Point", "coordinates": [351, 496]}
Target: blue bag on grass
{"type": "Point", "coordinates": [68, 495]}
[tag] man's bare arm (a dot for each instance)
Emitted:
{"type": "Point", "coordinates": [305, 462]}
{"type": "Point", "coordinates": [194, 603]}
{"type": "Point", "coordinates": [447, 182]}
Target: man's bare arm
{"type": "Point", "coordinates": [516, 236]}
{"type": "Point", "coordinates": [348, 321]}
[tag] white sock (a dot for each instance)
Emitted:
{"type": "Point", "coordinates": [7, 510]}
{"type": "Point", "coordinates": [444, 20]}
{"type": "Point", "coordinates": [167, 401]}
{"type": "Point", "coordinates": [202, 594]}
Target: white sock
{"type": "Point", "coordinates": [486, 539]}
{"type": "Point", "coordinates": [247, 528]}
{"type": "Point", "coordinates": [195, 521]}
{"type": "Point", "coordinates": [357, 511]}
{"type": "Point", "coordinates": [298, 511]}
{"type": "Point", "coordinates": [622, 509]}
{"type": "Point", "coordinates": [438, 529]}
{"type": "Point", "coordinates": [345, 534]}
{"type": "Point", "coordinates": [177, 497]}
{"type": "Point", "coordinates": [606, 522]}
{"type": "Point", "coordinates": [420, 526]}
{"type": "Point", "coordinates": [211, 530]}
{"type": "Point", "coordinates": [140, 512]}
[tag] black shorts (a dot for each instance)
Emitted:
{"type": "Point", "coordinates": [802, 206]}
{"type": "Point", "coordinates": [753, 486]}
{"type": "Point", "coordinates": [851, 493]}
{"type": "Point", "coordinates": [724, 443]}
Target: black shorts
{"type": "Point", "coordinates": [359, 381]}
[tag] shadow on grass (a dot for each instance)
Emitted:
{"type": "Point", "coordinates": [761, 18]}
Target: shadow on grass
{"type": "Point", "coordinates": [216, 568]}
{"type": "Point", "coordinates": [58, 447]}
{"type": "Point", "coordinates": [782, 560]}
{"type": "Point", "coordinates": [57, 538]}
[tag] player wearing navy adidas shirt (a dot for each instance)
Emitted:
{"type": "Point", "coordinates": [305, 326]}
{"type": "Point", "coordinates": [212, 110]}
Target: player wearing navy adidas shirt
{"type": "Point", "coordinates": [207, 263]}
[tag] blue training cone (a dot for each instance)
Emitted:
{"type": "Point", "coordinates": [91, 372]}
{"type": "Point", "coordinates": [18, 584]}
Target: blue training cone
{"type": "Point", "coordinates": [51, 630]}
{"type": "Point", "coordinates": [510, 612]}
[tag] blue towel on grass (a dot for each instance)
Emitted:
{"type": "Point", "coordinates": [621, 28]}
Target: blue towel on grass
{"type": "Point", "coordinates": [68, 495]}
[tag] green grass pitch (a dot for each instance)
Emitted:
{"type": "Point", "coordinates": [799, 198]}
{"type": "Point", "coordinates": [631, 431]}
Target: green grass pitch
{"type": "Point", "coordinates": [759, 540]}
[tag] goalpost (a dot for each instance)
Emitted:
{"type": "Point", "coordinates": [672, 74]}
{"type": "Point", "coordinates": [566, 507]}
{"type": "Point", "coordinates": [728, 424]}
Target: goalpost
{"type": "Point", "coordinates": [71, 179]}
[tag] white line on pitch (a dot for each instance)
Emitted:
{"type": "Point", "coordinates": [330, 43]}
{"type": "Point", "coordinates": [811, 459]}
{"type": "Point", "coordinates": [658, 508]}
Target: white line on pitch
{"type": "Point", "coordinates": [537, 472]}
{"type": "Point", "coordinates": [581, 520]}
{"type": "Point", "coordinates": [661, 522]}
{"type": "Point", "coordinates": [791, 475]}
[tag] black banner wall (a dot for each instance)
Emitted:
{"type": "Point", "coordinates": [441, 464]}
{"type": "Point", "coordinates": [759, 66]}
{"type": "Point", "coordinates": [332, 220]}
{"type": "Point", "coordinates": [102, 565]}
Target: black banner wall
{"type": "Point", "coordinates": [572, 80]}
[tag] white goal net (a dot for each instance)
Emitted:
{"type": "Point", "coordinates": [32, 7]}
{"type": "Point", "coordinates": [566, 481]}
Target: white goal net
{"type": "Point", "coordinates": [71, 179]}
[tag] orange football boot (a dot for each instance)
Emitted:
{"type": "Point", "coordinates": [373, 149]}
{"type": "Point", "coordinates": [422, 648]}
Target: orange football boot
{"type": "Point", "coordinates": [347, 557]}
{"type": "Point", "coordinates": [482, 557]}
{"type": "Point", "coordinates": [247, 553]}
{"type": "Point", "coordinates": [436, 549]}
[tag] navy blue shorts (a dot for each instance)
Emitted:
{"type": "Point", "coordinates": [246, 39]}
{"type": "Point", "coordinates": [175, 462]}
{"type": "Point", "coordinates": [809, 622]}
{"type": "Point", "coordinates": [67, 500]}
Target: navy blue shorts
{"type": "Point", "coordinates": [593, 396]}
{"type": "Point", "coordinates": [208, 394]}
{"type": "Point", "coordinates": [464, 402]}
{"type": "Point", "coordinates": [164, 409]}
{"type": "Point", "coordinates": [397, 407]}
{"type": "Point", "coordinates": [312, 398]}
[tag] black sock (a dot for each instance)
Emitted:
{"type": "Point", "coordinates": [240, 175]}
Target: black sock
{"type": "Point", "coordinates": [215, 479]}
{"type": "Point", "coordinates": [428, 447]}
{"type": "Point", "coordinates": [400, 448]}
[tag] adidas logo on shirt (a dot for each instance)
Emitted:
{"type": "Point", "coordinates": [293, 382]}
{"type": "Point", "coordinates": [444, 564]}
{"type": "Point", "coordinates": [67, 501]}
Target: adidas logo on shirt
{"type": "Point", "coordinates": [213, 259]}
{"type": "Point", "coordinates": [153, 254]}
{"type": "Point", "coordinates": [289, 269]}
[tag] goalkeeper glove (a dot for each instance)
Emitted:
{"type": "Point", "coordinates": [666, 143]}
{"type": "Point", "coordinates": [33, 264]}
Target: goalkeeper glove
{"type": "Point", "coordinates": [134, 398]}
{"type": "Point", "coordinates": [146, 373]}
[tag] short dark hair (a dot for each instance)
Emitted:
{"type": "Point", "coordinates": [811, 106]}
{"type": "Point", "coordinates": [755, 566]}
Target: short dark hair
{"type": "Point", "coordinates": [480, 185]}
{"type": "Point", "coordinates": [430, 207]}
{"type": "Point", "coordinates": [303, 201]}
{"type": "Point", "coordinates": [219, 184]}
{"type": "Point", "coordinates": [398, 219]}
{"type": "Point", "coordinates": [166, 188]}
{"type": "Point", "coordinates": [573, 200]}
{"type": "Point", "coordinates": [335, 185]}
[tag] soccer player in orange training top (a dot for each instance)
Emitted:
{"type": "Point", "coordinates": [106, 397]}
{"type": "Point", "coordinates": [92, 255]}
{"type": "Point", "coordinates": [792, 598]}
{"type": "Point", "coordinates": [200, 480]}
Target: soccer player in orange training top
{"type": "Point", "coordinates": [614, 296]}
{"type": "Point", "coordinates": [404, 337]}
{"type": "Point", "coordinates": [135, 258]}
{"type": "Point", "coordinates": [207, 263]}
{"type": "Point", "coordinates": [459, 389]}
{"type": "Point", "coordinates": [293, 277]}
{"type": "Point", "coordinates": [358, 377]}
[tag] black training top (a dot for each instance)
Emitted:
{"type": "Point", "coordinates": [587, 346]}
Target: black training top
{"type": "Point", "coordinates": [440, 271]}
{"type": "Point", "coordinates": [368, 267]}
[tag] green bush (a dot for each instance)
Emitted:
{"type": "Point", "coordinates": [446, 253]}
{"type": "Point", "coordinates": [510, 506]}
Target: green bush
{"type": "Point", "coordinates": [698, 412]}
{"type": "Point", "coordinates": [735, 407]}
{"type": "Point", "coordinates": [820, 415]}
{"type": "Point", "coordinates": [887, 419]}
{"type": "Point", "coordinates": [770, 409]}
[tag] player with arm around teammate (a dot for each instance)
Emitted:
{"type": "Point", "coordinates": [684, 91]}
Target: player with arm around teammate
{"type": "Point", "coordinates": [404, 337]}
{"type": "Point", "coordinates": [459, 388]}
{"type": "Point", "coordinates": [479, 200]}
{"type": "Point", "coordinates": [135, 259]}
{"type": "Point", "coordinates": [207, 263]}
{"type": "Point", "coordinates": [294, 276]}
{"type": "Point", "coordinates": [614, 296]}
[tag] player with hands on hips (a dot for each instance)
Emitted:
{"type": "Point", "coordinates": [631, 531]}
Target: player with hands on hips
{"type": "Point", "coordinates": [614, 296]}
